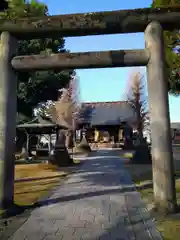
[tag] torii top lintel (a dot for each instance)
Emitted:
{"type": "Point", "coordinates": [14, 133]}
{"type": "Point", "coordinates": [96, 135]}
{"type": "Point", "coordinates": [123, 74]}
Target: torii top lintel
{"type": "Point", "coordinates": [95, 23]}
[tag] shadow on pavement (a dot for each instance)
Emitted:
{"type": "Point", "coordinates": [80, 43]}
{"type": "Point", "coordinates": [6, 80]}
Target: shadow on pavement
{"type": "Point", "coordinates": [103, 170]}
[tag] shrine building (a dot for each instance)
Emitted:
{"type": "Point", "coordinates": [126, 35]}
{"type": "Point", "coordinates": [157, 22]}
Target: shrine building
{"type": "Point", "coordinates": [105, 121]}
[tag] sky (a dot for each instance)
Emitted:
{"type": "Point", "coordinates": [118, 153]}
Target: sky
{"type": "Point", "coordinates": [107, 84]}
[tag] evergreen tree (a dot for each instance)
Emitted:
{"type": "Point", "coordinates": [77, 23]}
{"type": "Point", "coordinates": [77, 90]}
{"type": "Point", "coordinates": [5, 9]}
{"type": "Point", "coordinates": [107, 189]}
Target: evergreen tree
{"type": "Point", "coordinates": [35, 87]}
{"type": "Point", "coordinates": [172, 49]}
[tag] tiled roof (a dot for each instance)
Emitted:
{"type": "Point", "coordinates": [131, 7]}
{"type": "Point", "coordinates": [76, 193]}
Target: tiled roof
{"type": "Point", "coordinates": [107, 113]}
{"type": "Point", "coordinates": [175, 125]}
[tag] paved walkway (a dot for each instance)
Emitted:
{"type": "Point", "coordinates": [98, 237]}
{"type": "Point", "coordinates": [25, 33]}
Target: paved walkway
{"type": "Point", "coordinates": [98, 202]}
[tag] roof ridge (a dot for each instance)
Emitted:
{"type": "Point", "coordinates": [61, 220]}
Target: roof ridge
{"type": "Point", "coordinates": [107, 102]}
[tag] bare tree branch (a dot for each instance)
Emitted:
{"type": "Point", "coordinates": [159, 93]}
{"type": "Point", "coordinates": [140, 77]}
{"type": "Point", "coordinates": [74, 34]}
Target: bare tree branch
{"type": "Point", "coordinates": [137, 99]}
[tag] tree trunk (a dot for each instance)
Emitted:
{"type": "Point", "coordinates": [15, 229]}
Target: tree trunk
{"type": "Point", "coordinates": [69, 139]}
{"type": "Point", "coordinates": [139, 122]}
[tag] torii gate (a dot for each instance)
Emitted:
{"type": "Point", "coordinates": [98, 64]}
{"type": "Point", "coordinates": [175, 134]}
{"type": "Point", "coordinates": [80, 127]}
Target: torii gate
{"type": "Point", "coordinates": [150, 21]}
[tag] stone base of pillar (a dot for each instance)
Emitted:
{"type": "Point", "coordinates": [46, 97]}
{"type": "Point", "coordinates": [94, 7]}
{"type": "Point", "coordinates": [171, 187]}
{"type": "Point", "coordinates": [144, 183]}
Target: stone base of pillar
{"type": "Point", "coordinates": [128, 144]}
{"type": "Point", "coordinates": [142, 155]}
{"type": "Point", "coordinates": [6, 204]}
{"type": "Point", "coordinates": [60, 157]}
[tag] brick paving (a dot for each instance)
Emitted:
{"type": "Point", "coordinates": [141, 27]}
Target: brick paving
{"type": "Point", "coordinates": [97, 202]}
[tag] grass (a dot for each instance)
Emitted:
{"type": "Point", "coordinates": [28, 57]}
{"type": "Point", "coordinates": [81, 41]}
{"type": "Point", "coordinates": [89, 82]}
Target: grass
{"type": "Point", "coordinates": [33, 181]}
{"type": "Point", "coordinates": [127, 155]}
{"type": "Point", "coordinates": [42, 178]}
{"type": "Point", "coordinates": [169, 226]}
{"type": "Point", "coordinates": [76, 161]}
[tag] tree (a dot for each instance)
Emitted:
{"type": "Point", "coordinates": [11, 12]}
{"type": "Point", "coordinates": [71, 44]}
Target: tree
{"type": "Point", "coordinates": [60, 112]}
{"type": "Point", "coordinates": [67, 113]}
{"type": "Point", "coordinates": [137, 98]}
{"type": "Point", "coordinates": [65, 110]}
{"type": "Point", "coordinates": [37, 86]}
{"type": "Point", "coordinates": [43, 109]}
{"type": "Point", "coordinates": [3, 5]}
{"type": "Point", "coordinates": [172, 50]}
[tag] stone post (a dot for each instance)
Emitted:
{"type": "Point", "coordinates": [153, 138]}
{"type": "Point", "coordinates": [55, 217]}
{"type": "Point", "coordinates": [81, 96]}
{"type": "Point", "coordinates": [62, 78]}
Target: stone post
{"type": "Point", "coordinates": [162, 157]}
{"type": "Point", "coordinates": [120, 135]}
{"type": "Point", "coordinates": [8, 99]}
{"type": "Point", "coordinates": [96, 135]}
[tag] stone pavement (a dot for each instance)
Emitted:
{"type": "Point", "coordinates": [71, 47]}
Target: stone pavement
{"type": "Point", "coordinates": [97, 202]}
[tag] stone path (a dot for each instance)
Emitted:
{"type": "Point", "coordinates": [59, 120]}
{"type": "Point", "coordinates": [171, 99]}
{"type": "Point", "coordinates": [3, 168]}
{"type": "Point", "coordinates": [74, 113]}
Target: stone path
{"type": "Point", "coordinates": [97, 202]}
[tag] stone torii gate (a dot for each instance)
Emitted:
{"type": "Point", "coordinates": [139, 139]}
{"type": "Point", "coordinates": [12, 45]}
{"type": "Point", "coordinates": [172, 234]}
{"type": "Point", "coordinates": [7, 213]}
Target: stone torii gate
{"type": "Point", "coordinates": [150, 21]}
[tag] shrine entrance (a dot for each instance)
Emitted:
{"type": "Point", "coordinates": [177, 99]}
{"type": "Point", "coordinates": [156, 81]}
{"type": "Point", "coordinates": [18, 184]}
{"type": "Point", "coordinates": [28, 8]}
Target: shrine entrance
{"type": "Point", "coordinates": [150, 21]}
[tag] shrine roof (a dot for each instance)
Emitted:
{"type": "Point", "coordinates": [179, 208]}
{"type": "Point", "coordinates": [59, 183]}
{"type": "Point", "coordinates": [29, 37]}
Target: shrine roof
{"type": "Point", "coordinates": [106, 113]}
{"type": "Point", "coordinates": [36, 125]}
{"type": "Point", "coordinates": [175, 125]}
